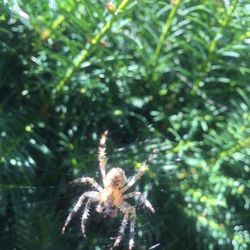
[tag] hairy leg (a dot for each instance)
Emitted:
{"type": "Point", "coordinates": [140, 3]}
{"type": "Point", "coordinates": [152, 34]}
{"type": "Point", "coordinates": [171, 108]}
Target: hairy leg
{"type": "Point", "coordinates": [136, 177]}
{"type": "Point", "coordinates": [87, 180]}
{"type": "Point", "coordinates": [102, 155]}
{"type": "Point", "coordinates": [91, 194]}
{"type": "Point", "coordinates": [132, 230]}
{"type": "Point", "coordinates": [127, 209]}
{"type": "Point", "coordinates": [144, 200]}
{"type": "Point", "coordinates": [140, 172]}
{"type": "Point", "coordinates": [121, 230]}
{"type": "Point", "coordinates": [85, 216]}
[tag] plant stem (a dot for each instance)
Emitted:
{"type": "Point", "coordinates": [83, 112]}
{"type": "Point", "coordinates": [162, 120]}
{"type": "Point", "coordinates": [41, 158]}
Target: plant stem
{"type": "Point", "coordinates": [211, 49]}
{"type": "Point", "coordinates": [81, 57]}
{"type": "Point", "coordinates": [165, 32]}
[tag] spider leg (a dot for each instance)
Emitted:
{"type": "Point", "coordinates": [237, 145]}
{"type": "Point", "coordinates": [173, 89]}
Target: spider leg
{"type": "Point", "coordinates": [87, 180]}
{"type": "Point", "coordinates": [121, 230]}
{"type": "Point", "coordinates": [126, 209]}
{"type": "Point", "coordinates": [138, 175]}
{"type": "Point", "coordinates": [85, 216]}
{"type": "Point", "coordinates": [102, 155]}
{"type": "Point", "coordinates": [135, 177]}
{"type": "Point", "coordinates": [90, 194]}
{"type": "Point", "coordinates": [132, 230]}
{"type": "Point", "coordinates": [144, 200]}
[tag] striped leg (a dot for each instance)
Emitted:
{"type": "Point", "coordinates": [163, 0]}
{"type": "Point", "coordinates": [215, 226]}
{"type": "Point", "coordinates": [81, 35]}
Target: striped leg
{"type": "Point", "coordinates": [135, 177]}
{"type": "Point", "coordinates": [132, 231]}
{"type": "Point", "coordinates": [144, 200]}
{"type": "Point", "coordinates": [141, 172]}
{"type": "Point", "coordinates": [90, 194]}
{"type": "Point", "coordinates": [102, 155]}
{"type": "Point", "coordinates": [126, 209]}
{"type": "Point", "coordinates": [121, 230]}
{"type": "Point", "coordinates": [87, 180]}
{"type": "Point", "coordinates": [85, 216]}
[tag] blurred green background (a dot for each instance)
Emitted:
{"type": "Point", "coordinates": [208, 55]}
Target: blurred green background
{"type": "Point", "coordinates": [166, 75]}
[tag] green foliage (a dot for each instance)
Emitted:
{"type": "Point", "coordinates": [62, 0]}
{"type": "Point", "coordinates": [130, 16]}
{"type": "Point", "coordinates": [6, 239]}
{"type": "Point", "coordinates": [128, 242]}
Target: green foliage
{"type": "Point", "coordinates": [167, 75]}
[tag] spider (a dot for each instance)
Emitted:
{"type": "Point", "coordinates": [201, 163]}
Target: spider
{"type": "Point", "coordinates": [111, 198]}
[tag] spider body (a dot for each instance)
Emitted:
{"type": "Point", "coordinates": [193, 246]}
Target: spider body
{"type": "Point", "coordinates": [109, 210]}
{"type": "Point", "coordinates": [112, 194]}
{"type": "Point", "coordinates": [111, 198]}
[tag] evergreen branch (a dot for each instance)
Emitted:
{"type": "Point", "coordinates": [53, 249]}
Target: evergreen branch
{"type": "Point", "coordinates": [11, 148]}
{"type": "Point", "coordinates": [45, 34]}
{"type": "Point", "coordinates": [211, 50]}
{"type": "Point", "coordinates": [86, 52]}
{"type": "Point", "coordinates": [241, 144]}
{"type": "Point", "coordinates": [164, 33]}
{"type": "Point", "coordinates": [219, 227]}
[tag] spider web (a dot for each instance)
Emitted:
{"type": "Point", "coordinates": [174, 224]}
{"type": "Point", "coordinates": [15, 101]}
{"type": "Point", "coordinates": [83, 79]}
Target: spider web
{"type": "Point", "coordinates": [39, 211]}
